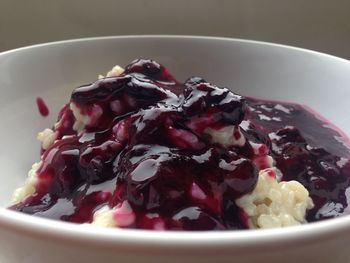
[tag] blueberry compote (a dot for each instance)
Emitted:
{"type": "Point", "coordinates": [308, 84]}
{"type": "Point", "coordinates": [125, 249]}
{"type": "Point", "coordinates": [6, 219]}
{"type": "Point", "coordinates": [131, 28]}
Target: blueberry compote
{"type": "Point", "coordinates": [143, 146]}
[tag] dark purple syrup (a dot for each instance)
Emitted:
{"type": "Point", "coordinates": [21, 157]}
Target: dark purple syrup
{"type": "Point", "coordinates": [42, 107]}
{"type": "Point", "coordinates": [305, 149]}
{"type": "Point", "coordinates": [148, 152]}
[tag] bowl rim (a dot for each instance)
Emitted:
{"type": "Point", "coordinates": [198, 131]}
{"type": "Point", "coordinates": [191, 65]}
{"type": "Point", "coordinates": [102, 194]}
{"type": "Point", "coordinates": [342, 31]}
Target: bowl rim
{"type": "Point", "coordinates": [40, 227]}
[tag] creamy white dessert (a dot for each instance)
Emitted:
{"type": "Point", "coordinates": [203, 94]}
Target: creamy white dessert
{"type": "Point", "coordinates": [275, 204]}
{"type": "Point", "coordinates": [138, 149]}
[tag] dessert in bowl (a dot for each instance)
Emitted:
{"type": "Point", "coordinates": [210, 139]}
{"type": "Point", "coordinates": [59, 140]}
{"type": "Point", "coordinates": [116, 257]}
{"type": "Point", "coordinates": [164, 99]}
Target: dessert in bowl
{"type": "Point", "coordinates": [242, 68]}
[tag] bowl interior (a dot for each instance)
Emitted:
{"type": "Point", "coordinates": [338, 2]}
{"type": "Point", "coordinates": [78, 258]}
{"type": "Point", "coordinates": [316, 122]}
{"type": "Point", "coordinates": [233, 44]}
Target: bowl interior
{"type": "Point", "coordinates": [248, 68]}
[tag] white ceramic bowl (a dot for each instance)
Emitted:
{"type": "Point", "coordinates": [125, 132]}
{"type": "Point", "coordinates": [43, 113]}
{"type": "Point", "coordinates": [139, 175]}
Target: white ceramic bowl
{"type": "Point", "coordinates": [248, 67]}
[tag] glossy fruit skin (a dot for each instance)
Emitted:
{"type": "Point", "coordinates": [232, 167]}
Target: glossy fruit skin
{"type": "Point", "coordinates": [149, 149]}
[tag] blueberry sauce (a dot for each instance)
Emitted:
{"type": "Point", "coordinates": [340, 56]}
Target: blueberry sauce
{"type": "Point", "coordinates": [42, 107]}
{"type": "Point", "coordinates": [305, 149]}
{"type": "Point", "coordinates": [146, 149]}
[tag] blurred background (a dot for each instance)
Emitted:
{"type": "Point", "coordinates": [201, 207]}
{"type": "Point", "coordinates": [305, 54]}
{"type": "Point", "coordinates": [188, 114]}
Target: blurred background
{"type": "Point", "coordinates": [321, 25]}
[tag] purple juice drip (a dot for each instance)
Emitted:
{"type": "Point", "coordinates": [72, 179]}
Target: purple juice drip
{"type": "Point", "coordinates": [42, 107]}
